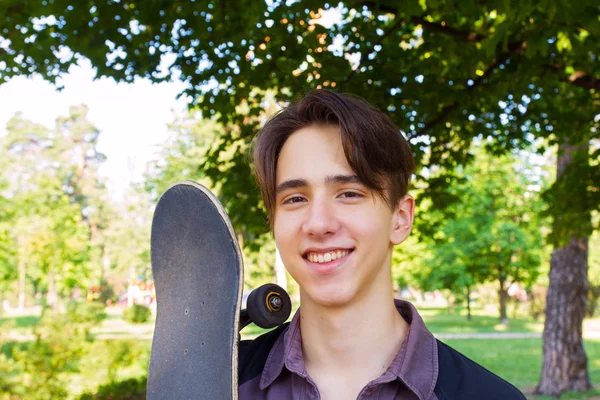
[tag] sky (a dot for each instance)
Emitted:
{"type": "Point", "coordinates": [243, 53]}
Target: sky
{"type": "Point", "coordinates": [132, 118]}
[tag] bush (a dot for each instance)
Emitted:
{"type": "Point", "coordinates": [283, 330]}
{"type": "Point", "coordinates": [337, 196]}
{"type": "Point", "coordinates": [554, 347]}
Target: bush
{"type": "Point", "coordinates": [137, 314]}
{"type": "Point", "coordinates": [129, 389]}
{"type": "Point", "coordinates": [43, 364]}
{"type": "Point", "coordinates": [86, 312]}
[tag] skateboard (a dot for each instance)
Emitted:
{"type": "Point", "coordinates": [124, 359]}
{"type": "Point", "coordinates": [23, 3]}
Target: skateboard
{"type": "Point", "coordinates": [198, 276]}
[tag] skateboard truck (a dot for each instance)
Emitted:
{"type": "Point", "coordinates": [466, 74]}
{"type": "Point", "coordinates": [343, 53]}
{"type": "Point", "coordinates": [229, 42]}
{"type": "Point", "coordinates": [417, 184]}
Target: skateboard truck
{"type": "Point", "coordinates": [267, 306]}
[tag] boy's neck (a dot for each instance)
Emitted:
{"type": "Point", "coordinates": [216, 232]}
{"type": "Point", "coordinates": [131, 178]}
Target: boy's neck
{"type": "Point", "coordinates": [354, 343]}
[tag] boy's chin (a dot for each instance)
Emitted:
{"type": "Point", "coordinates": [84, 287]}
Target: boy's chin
{"type": "Point", "coordinates": [329, 297]}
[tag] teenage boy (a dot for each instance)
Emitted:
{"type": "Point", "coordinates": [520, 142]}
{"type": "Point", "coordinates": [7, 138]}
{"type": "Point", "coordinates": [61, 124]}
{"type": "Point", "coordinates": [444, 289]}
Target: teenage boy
{"type": "Point", "coordinates": [334, 174]}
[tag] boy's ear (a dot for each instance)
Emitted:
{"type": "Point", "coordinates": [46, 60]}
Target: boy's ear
{"type": "Point", "coordinates": [402, 219]}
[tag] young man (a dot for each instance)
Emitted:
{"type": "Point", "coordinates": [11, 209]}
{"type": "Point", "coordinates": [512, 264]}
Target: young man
{"type": "Point", "coordinates": [334, 174]}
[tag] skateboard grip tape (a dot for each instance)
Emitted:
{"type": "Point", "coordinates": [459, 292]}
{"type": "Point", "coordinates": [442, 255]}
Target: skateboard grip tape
{"type": "Point", "coordinates": [196, 267]}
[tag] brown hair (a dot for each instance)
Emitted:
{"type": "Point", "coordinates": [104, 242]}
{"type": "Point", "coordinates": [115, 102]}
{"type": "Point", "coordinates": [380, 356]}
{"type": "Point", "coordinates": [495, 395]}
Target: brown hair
{"type": "Point", "coordinates": [374, 147]}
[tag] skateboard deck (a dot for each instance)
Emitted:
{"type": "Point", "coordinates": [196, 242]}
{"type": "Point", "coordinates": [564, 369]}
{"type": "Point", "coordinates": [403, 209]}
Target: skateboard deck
{"type": "Point", "coordinates": [198, 274]}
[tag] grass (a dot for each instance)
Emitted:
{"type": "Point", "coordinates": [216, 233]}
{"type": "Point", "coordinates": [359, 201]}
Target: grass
{"type": "Point", "coordinates": [519, 362]}
{"type": "Point", "coordinates": [516, 360]}
{"type": "Point", "coordinates": [440, 320]}
{"type": "Point", "coordinates": [20, 322]}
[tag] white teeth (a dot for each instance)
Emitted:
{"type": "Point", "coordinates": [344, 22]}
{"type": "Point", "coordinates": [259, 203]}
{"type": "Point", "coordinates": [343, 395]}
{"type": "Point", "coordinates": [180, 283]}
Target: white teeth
{"type": "Point", "coordinates": [326, 257]}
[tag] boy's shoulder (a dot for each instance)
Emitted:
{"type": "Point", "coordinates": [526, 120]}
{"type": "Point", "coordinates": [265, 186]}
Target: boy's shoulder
{"type": "Point", "coordinates": [461, 378]}
{"type": "Point", "coordinates": [253, 354]}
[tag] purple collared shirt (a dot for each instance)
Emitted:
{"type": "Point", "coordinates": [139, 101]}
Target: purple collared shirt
{"type": "Point", "coordinates": [412, 375]}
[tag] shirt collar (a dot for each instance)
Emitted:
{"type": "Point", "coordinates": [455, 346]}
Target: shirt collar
{"type": "Point", "coordinates": [416, 364]}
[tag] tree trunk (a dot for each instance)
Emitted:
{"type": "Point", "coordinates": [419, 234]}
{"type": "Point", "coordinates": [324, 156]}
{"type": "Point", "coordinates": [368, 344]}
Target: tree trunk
{"type": "Point", "coordinates": [21, 284]}
{"type": "Point", "coordinates": [468, 303]}
{"type": "Point", "coordinates": [502, 297]}
{"type": "Point", "coordinates": [22, 272]}
{"type": "Point", "coordinates": [52, 297]}
{"type": "Point", "coordinates": [564, 361]}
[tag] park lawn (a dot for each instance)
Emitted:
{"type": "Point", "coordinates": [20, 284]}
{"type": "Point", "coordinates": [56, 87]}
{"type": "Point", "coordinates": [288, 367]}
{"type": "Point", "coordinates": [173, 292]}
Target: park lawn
{"type": "Point", "coordinates": [439, 320]}
{"type": "Point", "coordinates": [19, 324]}
{"type": "Point", "coordinates": [115, 327]}
{"type": "Point", "coordinates": [516, 360]}
{"type": "Point", "coordinates": [519, 361]}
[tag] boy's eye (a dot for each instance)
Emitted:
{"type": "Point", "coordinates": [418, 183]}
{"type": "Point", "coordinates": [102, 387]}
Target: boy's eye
{"type": "Point", "coordinates": [295, 199]}
{"type": "Point", "coordinates": [350, 195]}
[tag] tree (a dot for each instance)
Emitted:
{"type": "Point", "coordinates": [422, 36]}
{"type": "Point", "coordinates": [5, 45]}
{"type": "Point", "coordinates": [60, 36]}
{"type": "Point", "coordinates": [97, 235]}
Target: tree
{"type": "Point", "coordinates": [50, 184]}
{"type": "Point", "coordinates": [8, 270]}
{"type": "Point", "coordinates": [190, 138]}
{"type": "Point", "coordinates": [127, 237]}
{"type": "Point", "coordinates": [445, 71]}
{"type": "Point", "coordinates": [494, 232]}
{"type": "Point", "coordinates": [76, 147]}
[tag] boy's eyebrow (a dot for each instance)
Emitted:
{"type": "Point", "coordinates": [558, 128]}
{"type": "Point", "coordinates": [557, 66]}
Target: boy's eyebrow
{"type": "Point", "coordinates": [343, 179]}
{"type": "Point", "coordinates": [332, 179]}
{"type": "Point", "coordinates": [291, 184]}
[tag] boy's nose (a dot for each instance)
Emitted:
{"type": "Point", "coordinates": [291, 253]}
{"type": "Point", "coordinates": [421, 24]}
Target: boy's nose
{"type": "Point", "coordinates": [321, 219]}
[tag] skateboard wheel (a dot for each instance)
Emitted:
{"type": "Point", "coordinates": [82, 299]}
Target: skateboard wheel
{"type": "Point", "coordinates": [269, 306]}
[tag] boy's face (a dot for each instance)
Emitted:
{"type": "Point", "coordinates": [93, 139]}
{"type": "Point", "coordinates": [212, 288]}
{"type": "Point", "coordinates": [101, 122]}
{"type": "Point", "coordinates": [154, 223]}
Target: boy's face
{"type": "Point", "coordinates": [334, 234]}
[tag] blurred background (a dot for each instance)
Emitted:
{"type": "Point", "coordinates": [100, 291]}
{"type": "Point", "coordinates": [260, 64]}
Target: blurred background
{"type": "Point", "coordinates": [105, 103]}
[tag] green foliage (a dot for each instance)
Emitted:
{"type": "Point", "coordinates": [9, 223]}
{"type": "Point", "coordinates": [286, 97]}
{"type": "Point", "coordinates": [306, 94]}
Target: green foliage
{"type": "Point", "coordinates": [259, 266]}
{"type": "Point", "coordinates": [37, 370]}
{"type": "Point", "coordinates": [8, 248]}
{"type": "Point", "coordinates": [446, 72]}
{"type": "Point", "coordinates": [409, 259]}
{"type": "Point", "coordinates": [137, 314]}
{"type": "Point", "coordinates": [123, 354]}
{"type": "Point", "coordinates": [493, 234]}
{"type": "Point", "coordinates": [594, 276]}
{"type": "Point", "coordinates": [50, 180]}
{"type": "Point", "coordinates": [190, 138]}
{"type": "Point", "coordinates": [63, 360]}
{"type": "Point", "coordinates": [129, 389]}
{"type": "Point", "coordinates": [127, 237]}
{"type": "Point", "coordinates": [92, 313]}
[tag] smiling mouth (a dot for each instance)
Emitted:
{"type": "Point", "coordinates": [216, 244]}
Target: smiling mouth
{"type": "Point", "coordinates": [325, 257]}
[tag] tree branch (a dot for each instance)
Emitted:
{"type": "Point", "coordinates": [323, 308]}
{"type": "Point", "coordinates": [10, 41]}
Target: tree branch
{"type": "Point", "coordinates": [441, 117]}
{"type": "Point", "coordinates": [437, 27]}
{"type": "Point", "coordinates": [578, 78]}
